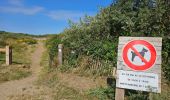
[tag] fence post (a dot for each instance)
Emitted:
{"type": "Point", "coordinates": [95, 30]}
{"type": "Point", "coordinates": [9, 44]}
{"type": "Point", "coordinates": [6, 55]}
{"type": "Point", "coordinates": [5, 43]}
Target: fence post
{"type": "Point", "coordinates": [8, 55]}
{"type": "Point", "coordinates": [119, 95]}
{"type": "Point", "coordinates": [60, 55]}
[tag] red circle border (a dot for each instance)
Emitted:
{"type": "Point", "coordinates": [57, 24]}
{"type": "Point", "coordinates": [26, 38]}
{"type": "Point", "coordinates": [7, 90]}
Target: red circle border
{"type": "Point", "coordinates": [136, 67]}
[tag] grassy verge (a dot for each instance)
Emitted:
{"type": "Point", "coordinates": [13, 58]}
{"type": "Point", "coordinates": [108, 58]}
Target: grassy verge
{"type": "Point", "coordinates": [13, 72]}
{"type": "Point", "coordinates": [59, 91]}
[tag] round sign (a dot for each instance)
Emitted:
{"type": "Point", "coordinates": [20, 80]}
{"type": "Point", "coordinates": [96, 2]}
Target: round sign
{"type": "Point", "coordinates": [139, 55]}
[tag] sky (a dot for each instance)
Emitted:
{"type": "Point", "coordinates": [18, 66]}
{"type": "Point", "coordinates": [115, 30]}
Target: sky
{"type": "Point", "coordinates": [45, 16]}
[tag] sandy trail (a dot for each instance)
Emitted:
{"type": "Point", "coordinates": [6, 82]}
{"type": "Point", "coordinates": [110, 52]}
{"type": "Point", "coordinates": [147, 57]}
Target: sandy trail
{"type": "Point", "coordinates": [19, 87]}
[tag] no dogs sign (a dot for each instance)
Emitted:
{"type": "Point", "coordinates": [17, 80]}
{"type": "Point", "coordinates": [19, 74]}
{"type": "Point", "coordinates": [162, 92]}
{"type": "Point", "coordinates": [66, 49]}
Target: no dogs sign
{"type": "Point", "coordinates": [139, 55]}
{"type": "Point", "coordinates": [139, 63]}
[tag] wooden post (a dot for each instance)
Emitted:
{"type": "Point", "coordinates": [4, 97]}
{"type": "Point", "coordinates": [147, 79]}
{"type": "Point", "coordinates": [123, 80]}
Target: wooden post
{"type": "Point", "coordinates": [150, 96]}
{"type": "Point", "coordinates": [8, 55]}
{"type": "Point", "coordinates": [114, 72]}
{"type": "Point", "coordinates": [60, 55]}
{"type": "Point", "coordinates": [119, 95]}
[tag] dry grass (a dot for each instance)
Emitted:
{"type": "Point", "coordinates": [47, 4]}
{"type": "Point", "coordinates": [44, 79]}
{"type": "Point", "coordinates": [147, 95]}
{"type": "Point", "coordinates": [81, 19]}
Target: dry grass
{"type": "Point", "coordinates": [13, 72]}
{"type": "Point", "coordinates": [21, 63]}
{"type": "Point", "coordinates": [95, 68]}
{"type": "Point", "coordinates": [58, 90]}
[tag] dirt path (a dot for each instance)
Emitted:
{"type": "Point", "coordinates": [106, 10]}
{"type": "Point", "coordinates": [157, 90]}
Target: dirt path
{"type": "Point", "coordinates": [26, 85]}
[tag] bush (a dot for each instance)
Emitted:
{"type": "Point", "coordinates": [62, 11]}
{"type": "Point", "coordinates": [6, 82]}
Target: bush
{"type": "Point", "coordinates": [137, 95]}
{"type": "Point", "coordinates": [97, 37]}
{"type": "Point", "coordinates": [31, 41]}
{"type": "Point", "coordinates": [166, 58]}
{"type": "Point", "coordinates": [103, 93]}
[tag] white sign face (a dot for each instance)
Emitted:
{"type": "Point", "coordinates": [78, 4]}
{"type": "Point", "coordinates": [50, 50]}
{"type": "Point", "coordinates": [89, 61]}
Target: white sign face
{"type": "Point", "coordinates": [138, 81]}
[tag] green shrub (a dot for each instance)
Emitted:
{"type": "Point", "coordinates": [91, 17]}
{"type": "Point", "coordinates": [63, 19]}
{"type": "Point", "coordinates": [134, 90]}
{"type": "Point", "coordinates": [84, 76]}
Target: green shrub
{"type": "Point", "coordinates": [31, 41]}
{"type": "Point", "coordinates": [97, 36]}
{"type": "Point", "coordinates": [166, 58]}
{"type": "Point", "coordinates": [103, 93]}
{"type": "Point", "coordinates": [162, 96]}
{"type": "Point", "coordinates": [138, 95]}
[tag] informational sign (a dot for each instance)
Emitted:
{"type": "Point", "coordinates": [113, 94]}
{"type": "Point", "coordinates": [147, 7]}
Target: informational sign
{"type": "Point", "coordinates": [139, 63]}
{"type": "Point", "coordinates": [138, 80]}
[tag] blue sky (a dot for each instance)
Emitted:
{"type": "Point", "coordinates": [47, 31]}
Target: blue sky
{"type": "Point", "coordinates": [45, 16]}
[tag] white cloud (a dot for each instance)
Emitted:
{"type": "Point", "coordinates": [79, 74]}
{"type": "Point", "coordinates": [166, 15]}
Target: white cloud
{"type": "Point", "coordinates": [22, 10]}
{"type": "Point", "coordinates": [16, 2]}
{"type": "Point", "coordinates": [18, 6]}
{"type": "Point", "coordinates": [65, 15]}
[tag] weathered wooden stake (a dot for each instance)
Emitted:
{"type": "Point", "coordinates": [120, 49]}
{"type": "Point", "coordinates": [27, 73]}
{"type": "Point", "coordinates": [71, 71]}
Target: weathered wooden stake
{"type": "Point", "coordinates": [8, 55]}
{"type": "Point", "coordinates": [119, 95]}
{"type": "Point", "coordinates": [60, 55]}
{"type": "Point", "coordinates": [150, 96]}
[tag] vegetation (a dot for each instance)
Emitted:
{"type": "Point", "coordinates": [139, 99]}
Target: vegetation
{"type": "Point", "coordinates": [97, 37]}
{"type": "Point", "coordinates": [90, 46]}
{"type": "Point", "coordinates": [13, 72]}
{"type": "Point", "coordinates": [59, 90]}
{"type": "Point", "coordinates": [104, 93]}
{"type": "Point", "coordinates": [22, 46]}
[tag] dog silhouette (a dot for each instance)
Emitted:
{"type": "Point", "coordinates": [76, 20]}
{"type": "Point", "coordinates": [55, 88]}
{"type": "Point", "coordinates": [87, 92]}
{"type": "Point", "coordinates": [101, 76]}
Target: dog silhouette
{"type": "Point", "coordinates": [142, 53]}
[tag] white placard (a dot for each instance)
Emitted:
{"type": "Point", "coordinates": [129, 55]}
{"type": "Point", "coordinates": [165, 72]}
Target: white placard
{"type": "Point", "coordinates": [137, 81]}
{"type": "Point", "coordinates": [59, 50]}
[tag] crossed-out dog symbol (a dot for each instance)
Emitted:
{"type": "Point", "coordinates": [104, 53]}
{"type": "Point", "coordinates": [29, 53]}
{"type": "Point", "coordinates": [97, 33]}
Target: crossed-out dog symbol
{"type": "Point", "coordinates": [142, 53]}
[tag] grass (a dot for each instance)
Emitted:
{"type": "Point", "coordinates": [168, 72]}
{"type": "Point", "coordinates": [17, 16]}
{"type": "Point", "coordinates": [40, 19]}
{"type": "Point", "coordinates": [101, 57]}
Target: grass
{"type": "Point", "coordinates": [59, 91]}
{"type": "Point", "coordinates": [103, 93]}
{"type": "Point", "coordinates": [13, 72]}
{"type": "Point", "coordinates": [16, 71]}
{"type": "Point", "coordinates": [22, 53]}
{"type": "Point", "coordinates": [2, 58]}
{"type": "Point", "coordinates": [162, 96]}
{"type": "Point", "coordinates": [21, 63]}
{"type": "Point", "coordinates": [24, 97]}
{"type": "Point", "coordinates": [63, 92]}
